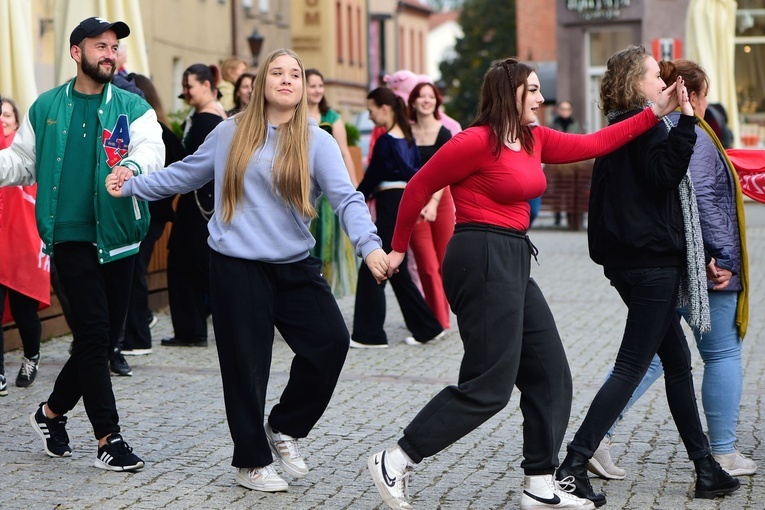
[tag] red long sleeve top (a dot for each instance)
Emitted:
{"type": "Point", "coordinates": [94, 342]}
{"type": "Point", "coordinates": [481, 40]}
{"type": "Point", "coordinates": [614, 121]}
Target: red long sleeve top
{"type": "Point", "coordinates": [495, 191]}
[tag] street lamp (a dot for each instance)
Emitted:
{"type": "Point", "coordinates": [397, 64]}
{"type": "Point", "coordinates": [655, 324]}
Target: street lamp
{"type": "Point", "coordinates": [255, 40]}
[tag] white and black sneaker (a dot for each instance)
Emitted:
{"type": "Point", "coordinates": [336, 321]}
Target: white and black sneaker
{"type": "Point", "coordinates": [543, 491]}
{"type": "Point", "coordinates": [391, 478]}
{"type": "Point", "coordinates": [116, 455]}
{"type": "Point", "coordinates": [53, 433]}
{"type": "Point", "coordinates": [3, 386]}
{"type": "Point", "coordinates": [28, 372]}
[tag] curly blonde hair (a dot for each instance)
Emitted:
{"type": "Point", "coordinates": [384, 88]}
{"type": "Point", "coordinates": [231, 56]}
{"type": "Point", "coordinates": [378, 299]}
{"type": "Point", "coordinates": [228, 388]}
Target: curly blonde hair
{"type": "Point", "coordinates": [619, 89]}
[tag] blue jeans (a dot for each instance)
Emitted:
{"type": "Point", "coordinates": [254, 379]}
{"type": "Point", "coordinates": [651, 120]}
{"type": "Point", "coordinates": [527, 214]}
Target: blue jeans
{"type": "Point", "coordinates": [720, 350]}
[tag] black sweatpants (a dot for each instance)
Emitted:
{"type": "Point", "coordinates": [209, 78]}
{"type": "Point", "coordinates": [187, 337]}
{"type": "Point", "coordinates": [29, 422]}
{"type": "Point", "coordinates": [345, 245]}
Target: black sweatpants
{"type": "Point", "coordinates": [249, 299]}
{"type": "Point", "coordinates": [510, 338]}
{"type": "Point", "coordinates": [369, 310]}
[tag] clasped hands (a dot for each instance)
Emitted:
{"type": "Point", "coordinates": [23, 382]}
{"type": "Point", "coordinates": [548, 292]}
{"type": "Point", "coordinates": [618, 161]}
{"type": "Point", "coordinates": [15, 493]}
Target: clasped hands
{"type": "Point", "coordinates": [116, 179]}
{"type": "Point", "coordinates": [382, 265]}
{"type": "Point", "coordinates": [671, 97]}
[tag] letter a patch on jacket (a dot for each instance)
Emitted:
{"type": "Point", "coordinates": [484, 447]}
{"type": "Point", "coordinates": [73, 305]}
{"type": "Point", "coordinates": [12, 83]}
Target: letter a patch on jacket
{"type": "Point", "coordinates": [117, 141]}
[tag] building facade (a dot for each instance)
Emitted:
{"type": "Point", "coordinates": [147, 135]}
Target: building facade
{"type": "Point", "coordinates": [331, 36]}
{"type": "Point", "coordinates": [588, 33]}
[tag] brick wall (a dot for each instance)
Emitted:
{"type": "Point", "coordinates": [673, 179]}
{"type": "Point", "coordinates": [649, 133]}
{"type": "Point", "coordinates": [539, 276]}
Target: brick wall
{"type": "Point", "coordinates": [536, 25]}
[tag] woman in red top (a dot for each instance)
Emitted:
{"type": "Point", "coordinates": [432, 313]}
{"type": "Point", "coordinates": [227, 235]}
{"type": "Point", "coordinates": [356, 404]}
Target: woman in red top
{"type": "Point", "coordinates": [24, 269]}
{"type": "Point", "coordinates": [493, 168]}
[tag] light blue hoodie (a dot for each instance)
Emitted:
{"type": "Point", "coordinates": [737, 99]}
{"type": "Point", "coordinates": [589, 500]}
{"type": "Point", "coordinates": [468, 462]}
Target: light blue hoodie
{"type": "Point", "coordinates": [265, 227]}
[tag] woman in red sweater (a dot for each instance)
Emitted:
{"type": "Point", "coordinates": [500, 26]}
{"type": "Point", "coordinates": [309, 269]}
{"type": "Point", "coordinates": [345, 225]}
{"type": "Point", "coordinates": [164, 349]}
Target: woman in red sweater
{"type": "Point", "coordinates": [24, 273]}
{"type": "Point", "coordinates": [493, 168]}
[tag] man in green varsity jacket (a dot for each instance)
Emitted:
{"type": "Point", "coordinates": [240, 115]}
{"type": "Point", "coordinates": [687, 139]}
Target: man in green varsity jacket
{"type": "Point", "coordinates": [71, 139]}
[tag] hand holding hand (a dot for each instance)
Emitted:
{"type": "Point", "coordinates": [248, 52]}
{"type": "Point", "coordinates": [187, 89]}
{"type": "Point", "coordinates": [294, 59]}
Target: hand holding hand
{"type": "Point", "coordinates": [377, 262]}
{"type": "Point", "coordinates": [394, 259]}
{"type": "Point", "coordinates": [123, 173]}
{"type": "Point", "coordinates": [113, 186]}
{"type": "Point", "coordinates": [719, 277]}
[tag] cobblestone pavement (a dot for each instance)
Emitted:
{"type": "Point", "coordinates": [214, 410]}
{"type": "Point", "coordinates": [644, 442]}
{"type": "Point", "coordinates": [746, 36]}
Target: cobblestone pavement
{"type": "Point", "coordinates": [172, 413]}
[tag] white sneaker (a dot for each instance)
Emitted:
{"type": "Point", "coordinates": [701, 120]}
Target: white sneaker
{"type": "Point", "coordinates": [286, 449]}
{"type": "Point", "coordinates": [736, 464]}
{"type": "Point", "coordinates": [601, 464]}
{"type": "Point", "coordinates": [136, 352]}
{"type": "Point", "coordinates": [392, 481]}
{"type": "Point", "coordinates": [264, 479]}
{"type": "Point", "coordinates": [410, 340]}
{"type": "Point", "coordinates": [543, 491]}
{"type": "Point", "coordinates": [358, 345]}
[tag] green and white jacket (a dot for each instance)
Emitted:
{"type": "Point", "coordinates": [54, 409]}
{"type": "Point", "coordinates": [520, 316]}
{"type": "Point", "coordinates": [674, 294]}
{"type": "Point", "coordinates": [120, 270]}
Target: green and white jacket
{"type": "Point", "coordinates": [130, 137]}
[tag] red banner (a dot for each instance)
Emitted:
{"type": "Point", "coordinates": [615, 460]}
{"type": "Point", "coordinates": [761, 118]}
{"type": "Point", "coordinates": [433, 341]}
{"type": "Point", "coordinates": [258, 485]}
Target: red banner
{"type": "Point", "coordinates": [23, 266]}
{"type": "Point", "coordinates": [750, 166]}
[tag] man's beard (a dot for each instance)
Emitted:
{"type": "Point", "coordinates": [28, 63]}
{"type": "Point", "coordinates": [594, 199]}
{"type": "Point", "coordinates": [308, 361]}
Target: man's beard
{"type": "Point", "coordinates": [94, 71]}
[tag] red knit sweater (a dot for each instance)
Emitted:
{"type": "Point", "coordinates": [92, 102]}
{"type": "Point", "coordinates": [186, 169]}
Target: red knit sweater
{"type": "Point", "coordinates": [496, 191]}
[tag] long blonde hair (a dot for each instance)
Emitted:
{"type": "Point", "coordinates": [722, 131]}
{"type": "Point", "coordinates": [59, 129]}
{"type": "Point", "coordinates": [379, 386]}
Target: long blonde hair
{"type": "Point", "coordinates": [291, 177]}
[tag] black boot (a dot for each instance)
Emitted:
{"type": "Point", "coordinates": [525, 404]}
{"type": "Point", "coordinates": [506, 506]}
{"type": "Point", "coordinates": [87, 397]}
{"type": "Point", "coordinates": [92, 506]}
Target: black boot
{"type": "Point", "coordinates": [575, 466]}
{"type": "Point", "coordinates": [712, 480]}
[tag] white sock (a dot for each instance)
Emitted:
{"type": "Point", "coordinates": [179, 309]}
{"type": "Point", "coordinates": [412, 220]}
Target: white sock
{"type": "Point", "coordinates": [399, 456]}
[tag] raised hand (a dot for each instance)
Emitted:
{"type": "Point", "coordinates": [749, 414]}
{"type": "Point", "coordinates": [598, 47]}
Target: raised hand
{"type": "Point", "coordinates": [670, 98]}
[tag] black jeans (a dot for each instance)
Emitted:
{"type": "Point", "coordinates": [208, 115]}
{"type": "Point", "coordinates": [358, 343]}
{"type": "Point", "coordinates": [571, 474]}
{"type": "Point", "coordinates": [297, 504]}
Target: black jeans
{"type": "Point", "coordinates": [653, 326]}
{"type": "Point", "coordinates": [249, 299]}
{"type": "Point", "coordinates": [369, 310]}
{"type": "Point", "coordinates": [24, 312]}
{"type": "Point", "coordinates": [510, 339]}
{"type": "Point", "coordinates": [188, 274]}
{"type": "Point", "coordinates": [98, 296]}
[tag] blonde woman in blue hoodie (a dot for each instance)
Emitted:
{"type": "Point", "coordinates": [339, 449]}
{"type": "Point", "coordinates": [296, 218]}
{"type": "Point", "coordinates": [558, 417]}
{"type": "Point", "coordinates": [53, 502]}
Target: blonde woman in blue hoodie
{"type": "Point", "coordinates": [269, 164]}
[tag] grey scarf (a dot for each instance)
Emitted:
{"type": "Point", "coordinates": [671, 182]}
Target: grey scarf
{"type": "Point", "coordinates": [693, 284]}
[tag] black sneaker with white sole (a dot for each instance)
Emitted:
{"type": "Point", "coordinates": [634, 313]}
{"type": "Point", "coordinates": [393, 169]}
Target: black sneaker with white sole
{"type": "Point", "coordinates": [53, 433]}
{"type": "Point", "coordinates": [28, 371]}
{"type": "Point", "coordinates": [116, 455]}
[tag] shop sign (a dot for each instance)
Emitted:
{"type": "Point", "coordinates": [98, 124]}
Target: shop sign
{"type": "Point", "coordinates": [595, 9]}
{"type": "Point", "coordinates": [667, 49]}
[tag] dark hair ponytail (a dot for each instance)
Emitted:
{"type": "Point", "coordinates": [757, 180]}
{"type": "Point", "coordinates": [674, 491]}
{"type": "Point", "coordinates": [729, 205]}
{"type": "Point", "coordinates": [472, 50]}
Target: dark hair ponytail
{"type": "Point", "coordinates": [385, 96]}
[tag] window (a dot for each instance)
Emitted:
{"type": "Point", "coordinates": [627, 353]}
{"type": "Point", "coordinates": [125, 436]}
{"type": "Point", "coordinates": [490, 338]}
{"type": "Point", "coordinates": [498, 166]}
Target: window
{"type": "Point", "coordinates": [750, 59]}
{"type": "Point", "coordinates": [350, 35]}
{"type": "Point", "coordinates": [339, 32]}
{"type": "Point", "coordinates": [599, 46]}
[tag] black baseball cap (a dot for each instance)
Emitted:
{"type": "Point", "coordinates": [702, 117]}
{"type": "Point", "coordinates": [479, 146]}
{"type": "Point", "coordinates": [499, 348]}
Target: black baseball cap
{"type": "Point", "coordinates": [94, 26]}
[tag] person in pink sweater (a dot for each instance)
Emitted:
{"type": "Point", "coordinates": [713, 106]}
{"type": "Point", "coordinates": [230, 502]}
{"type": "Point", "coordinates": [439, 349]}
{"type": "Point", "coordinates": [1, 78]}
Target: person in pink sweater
{"type": "Point", "coordinates": [509, 335]}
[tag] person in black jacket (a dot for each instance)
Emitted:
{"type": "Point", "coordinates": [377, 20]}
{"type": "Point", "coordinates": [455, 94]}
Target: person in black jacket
{"type": "Point", "coordinates": [188, 260]}
{"type": "Point", "coordinates": [140, 318]}
{"type": "Point", "coordinates": [640, 201]}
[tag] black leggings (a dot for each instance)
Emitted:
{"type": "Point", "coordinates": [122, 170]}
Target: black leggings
{"type": "Point", "coordinates": [653, 326]}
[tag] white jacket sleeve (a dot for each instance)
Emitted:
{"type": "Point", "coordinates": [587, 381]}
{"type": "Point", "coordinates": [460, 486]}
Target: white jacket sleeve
{"type": "Point", "coordinates": [146, 152]}
{"type": "Point", "coordinates": [17, 162]}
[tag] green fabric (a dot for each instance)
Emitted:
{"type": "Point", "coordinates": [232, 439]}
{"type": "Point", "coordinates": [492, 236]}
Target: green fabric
{"type": "Point", "coordinates": [339, 262]}
{"type": "Point", "coordinates": [76, 216]}
{"type": "Point", "coordinates": [121, 222]}
{"type": "Point", "coordinates": [328, 119]}
{"type": "Point", "coordinates": [742, 311]}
